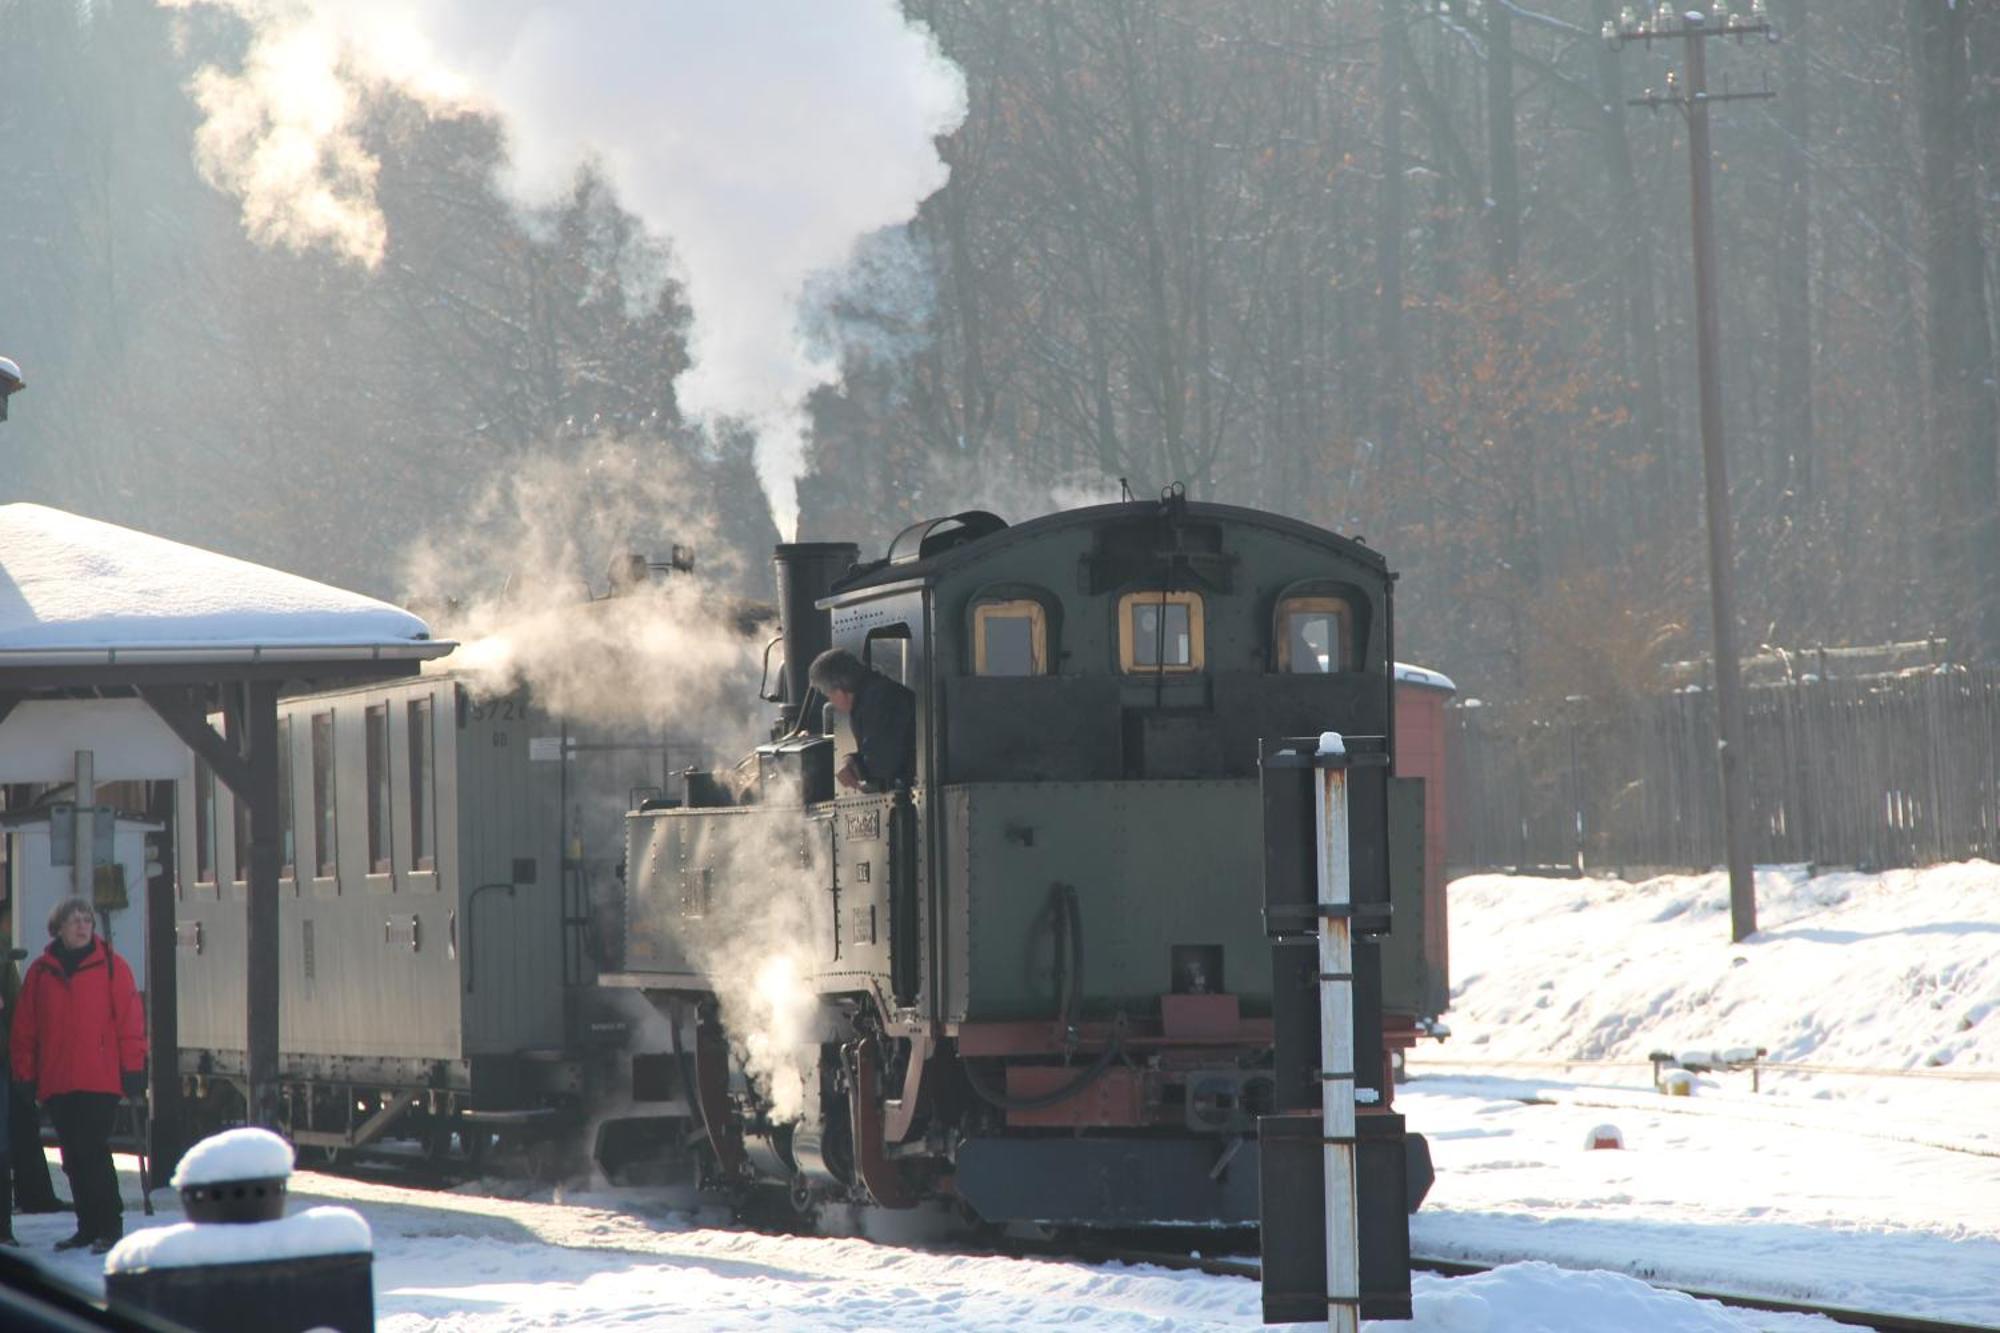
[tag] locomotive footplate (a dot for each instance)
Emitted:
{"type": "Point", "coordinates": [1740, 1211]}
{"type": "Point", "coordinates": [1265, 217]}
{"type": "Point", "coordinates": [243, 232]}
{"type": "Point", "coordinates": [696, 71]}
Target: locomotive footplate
{"type": "Point", "coordinates": [1110, 1181]}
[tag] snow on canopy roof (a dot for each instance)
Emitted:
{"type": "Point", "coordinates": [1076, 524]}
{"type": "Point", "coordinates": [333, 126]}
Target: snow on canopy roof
{"type": "Point", "coordinates": [89, 590]}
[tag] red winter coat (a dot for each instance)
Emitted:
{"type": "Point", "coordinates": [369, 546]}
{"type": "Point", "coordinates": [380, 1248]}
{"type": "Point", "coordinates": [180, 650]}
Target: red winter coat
{"type": "Point", "coordinates": [78, 1033]}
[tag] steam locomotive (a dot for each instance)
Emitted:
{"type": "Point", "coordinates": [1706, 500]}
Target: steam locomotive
{"type": "Point", "coordinates": [1037, 981]}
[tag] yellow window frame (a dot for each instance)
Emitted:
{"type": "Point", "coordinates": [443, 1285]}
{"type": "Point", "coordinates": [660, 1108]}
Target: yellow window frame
{"type": "Point", "coordinates": [1128, 658]}
{"type": "Point", "coordinates": [1315, 604]}
{"type": "Point", "coordinates": [1012, 608]}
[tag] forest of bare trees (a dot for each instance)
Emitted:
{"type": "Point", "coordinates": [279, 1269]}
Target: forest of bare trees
{"type": "Point", "coordinates": [1407, 268]}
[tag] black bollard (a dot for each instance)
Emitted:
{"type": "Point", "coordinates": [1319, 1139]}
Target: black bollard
{"type": "Point", "coordinates": [239, 1265]}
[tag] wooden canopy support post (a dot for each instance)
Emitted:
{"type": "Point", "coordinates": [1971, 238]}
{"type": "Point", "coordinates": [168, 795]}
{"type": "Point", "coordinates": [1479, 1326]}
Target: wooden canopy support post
{"type": "Point", "coordinates": [169, 1137]}
{"type": "Point", "coordinates": [83, 864]}
{"type": "Point", "coordinates": [247, 764]}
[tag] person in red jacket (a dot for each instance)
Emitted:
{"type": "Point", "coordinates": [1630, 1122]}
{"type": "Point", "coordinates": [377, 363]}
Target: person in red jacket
{"type": "Point", "coordinates": [79, 1038]}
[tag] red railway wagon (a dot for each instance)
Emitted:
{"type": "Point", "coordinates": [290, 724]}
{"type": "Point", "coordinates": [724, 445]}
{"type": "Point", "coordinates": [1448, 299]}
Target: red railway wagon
{"type": "Point", "coordinates": [1412, 1011]}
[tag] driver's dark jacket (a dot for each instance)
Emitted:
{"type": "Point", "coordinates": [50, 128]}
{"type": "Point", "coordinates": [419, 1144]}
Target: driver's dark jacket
{"type": "Point", "coordinates": [885, 732]}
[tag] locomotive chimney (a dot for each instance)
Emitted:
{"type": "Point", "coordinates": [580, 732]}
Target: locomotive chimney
{"type": "Point", "coordinates": [806, 572]}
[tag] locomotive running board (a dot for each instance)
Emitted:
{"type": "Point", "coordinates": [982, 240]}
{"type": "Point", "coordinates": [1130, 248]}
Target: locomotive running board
{"type": "Point", "coordinates": [1334, 1228]}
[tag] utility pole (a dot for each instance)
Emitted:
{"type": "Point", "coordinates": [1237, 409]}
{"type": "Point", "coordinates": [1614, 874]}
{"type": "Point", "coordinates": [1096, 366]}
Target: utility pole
{"type": "Point", "coordinates": [1695, 27]}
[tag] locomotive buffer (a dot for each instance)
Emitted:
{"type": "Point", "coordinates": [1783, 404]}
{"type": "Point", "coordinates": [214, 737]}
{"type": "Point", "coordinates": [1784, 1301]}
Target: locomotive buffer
{"type": "Point", "coordinates": [1338, 1175]}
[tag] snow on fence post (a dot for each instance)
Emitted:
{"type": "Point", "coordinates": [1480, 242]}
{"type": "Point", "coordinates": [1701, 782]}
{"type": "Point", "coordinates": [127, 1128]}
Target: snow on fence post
{"type": "Point", "coordinates": [239, 1265]}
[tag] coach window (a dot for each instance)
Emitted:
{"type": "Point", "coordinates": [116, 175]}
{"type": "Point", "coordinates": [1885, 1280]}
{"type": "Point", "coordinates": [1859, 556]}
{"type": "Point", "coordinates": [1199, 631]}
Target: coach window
{"type": "Point", "coordinates": [241, 814]}
{"type": "Point", "coordinates": [1315, 636]}
{"type": "Point", "coordinates": [325, 859]}
{"type": "Point", "coordinates": [1160, 632]}
{"type": "Point", "coordinates": [423, 801]}
{"type": "Point", "coordinates": [1010, 637]}
{"type": "Point", "coordinates": [287, 839]}
{"type": "Point", "coordinates": [204, 823]}
{"type": "Point", "coordinates": [376, 725]}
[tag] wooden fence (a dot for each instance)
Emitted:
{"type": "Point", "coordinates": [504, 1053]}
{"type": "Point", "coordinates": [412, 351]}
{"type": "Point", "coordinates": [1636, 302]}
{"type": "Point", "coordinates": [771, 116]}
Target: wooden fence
{"type": "Point", "coordinates": [1896, 770]}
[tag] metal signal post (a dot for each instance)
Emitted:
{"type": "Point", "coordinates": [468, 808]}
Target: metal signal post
{"type": "Point", "coordinates": [1695, 27]}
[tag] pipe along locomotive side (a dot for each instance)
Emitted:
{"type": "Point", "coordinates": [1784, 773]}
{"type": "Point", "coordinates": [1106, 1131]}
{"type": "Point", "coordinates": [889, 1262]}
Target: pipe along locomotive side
{"type": "Point", "coordinates": [1038, 980]}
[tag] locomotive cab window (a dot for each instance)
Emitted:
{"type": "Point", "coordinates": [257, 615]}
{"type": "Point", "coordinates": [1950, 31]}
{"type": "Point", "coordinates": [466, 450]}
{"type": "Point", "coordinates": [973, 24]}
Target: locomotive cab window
{"type": "Point", "coordinates": [1010, 637]}
{"type": "Point", "coordinates": [888, 651]}
{"type": "Point", "coordinates": [1160, 632]}
{"type": "Point", "coordinates": [1315, 636]}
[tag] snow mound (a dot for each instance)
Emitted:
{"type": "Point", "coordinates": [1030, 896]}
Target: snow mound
{"type": "Point", "coordinates": [1548, 1299]}
{"type": "Point", "coordinates": [234, 1154]}
{"type": "Point", "coordinates": [312, 1233]}
{"type": "Point", "coordinates": [1604, 1136]}
{"type": "Point", "coordinates": [1892, 971]}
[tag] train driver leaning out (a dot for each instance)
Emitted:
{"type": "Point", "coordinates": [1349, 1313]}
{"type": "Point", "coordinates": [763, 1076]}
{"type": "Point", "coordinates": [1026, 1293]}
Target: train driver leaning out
{"type": "Point", "coordinates": [882, 713]}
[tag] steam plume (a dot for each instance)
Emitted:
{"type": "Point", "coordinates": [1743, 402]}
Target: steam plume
{"type": "Point", "coordinates": [667, 657]}
{"type": "Point", "coordinates": [513, 577]}
{"type": "Point", "coordinates": [762, 140]}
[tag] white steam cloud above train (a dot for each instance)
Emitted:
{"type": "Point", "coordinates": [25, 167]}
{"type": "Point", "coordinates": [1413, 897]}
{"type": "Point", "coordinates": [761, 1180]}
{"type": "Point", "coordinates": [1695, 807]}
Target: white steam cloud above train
{"type": "Point", "coordinates": [762, 141]}
{"type": "Point", "coordinates": [670, 656]}
{"type": "Point", "coordinates": [511, 581]}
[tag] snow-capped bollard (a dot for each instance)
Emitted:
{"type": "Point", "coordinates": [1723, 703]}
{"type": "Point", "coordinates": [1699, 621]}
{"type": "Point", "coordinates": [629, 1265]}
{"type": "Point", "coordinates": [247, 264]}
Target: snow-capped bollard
{"type": "Point", "coordinates": [239, 1265]}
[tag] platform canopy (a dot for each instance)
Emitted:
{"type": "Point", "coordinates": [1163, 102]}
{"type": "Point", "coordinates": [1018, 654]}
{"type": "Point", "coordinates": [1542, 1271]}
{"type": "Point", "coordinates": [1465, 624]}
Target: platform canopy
{"type": "Point", "coordinates": [116, 648]}
{"type": "Point", "coordinates": [80, 594]}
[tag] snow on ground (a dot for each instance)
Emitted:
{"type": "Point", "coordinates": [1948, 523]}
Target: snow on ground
{"type": "Point", "coordinates": [1879, 1190]}
{"type": "Point", "coordinates": [1897, 971]}
{"type": "Point", "coordinates": [1875, 1192]}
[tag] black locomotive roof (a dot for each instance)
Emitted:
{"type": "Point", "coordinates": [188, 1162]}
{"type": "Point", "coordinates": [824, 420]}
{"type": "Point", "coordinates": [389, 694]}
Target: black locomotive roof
{"type": "Point", "coordinates": [978, 537]}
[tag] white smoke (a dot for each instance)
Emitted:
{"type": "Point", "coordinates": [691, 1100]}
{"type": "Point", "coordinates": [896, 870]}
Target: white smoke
{"type": "Point", "coordinates": [513, 580]}
{"type": "Point", "coordinates": [761, 140]}
{"type": "Point", "coordinates": [767, 932]}
{"type": "Point", "coordinates": [514, 577]}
